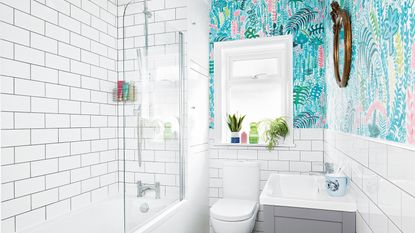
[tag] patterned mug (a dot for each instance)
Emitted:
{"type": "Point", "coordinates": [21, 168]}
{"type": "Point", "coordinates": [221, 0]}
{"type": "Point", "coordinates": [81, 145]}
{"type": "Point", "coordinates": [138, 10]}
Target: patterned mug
{"type": "Point", "coordinates": [336, 186]}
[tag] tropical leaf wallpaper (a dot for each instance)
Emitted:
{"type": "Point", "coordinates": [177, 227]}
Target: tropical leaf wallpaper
{"type": "Point", "coordinates": [304, 19]}
{"type": "Point", "coordinates": [379, 101]}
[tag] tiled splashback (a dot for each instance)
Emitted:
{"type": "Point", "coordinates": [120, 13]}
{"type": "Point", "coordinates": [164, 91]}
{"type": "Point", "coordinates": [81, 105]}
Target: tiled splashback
{"type": "Point", "coordinates": [59, 138]}
{"type": "Point", "coordinates": [306, 156]}
{"type": "Point", "coordinates": [383, 178]}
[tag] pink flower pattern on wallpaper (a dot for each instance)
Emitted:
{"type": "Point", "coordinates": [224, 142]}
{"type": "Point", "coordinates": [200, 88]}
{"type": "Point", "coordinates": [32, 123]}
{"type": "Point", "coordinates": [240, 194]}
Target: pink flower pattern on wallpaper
{"type": "Point", "coordinates": [410, 116]}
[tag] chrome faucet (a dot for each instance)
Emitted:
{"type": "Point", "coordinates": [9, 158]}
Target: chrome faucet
{"type": "Point", "coordinates": [328, 169]}
{"type": "Point", "coordinates": [143, 188]}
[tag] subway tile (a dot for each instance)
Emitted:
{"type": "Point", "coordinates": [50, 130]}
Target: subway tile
{"type": "Point", "coordinates": [15, 137]}
{"type": "Point", "coordinates": [279, 165]}
{"type": "Point", "coordinates": [378, 158]}
{"type": "Point", "coordinates": [378, 221]}
{"type": "Point", "coordinates": [43, 43]}
{"type": "Point", "coordinates": [15, 103]}
{"type": "Point", "coordinates": [58, 209]}
{"type": "Point", "coordinates": [57, 121]}
{"type": "Point", "coordinates": [57, 62]}
{"type": "Point", "coordinates": [44, 105]}
{"type": "Point", "coordinates": [70, 134]}
{"type": "Point", "coordinates": [80, 41]}
{"type": "Point", "coordinates": [69, 190]}
{"type": "Point", "coordinates": [30, 219]}
{"type": "Point", "coordinates": [80, 174]}
{"type": "Point", "coordinates": [44, 136]}
{"type": "Point", "coordinates": [400, 168]}
{"type": "Point", "coordinates": [81, 15]}
{"type": "Point", "coordinates": [57, 179]}
{"type": "Point", "coordinates": [408, 213]}
{"type": "Point", "coordinates": [15, 206]}
{"type": "Point", "coordinates": [59, 5]}
{"type": "Point", "coordinates": [15, 172]}
{"type": "Point", "coordinates": [29, 22]}
{"type": "Point", "coordinates": [300, 166]}
{"type": "Point", "coordinates": [6, 14]}
{"type": "Point", "coordinates": [14, 68]}
{"type": "Point", "coordinates": [7, 191]}
{"type": "Point", "coordinates": [15, 34]}
{"type": "Point", "coordinates": [57, 91]}
{"type": "Point", "coordinates": [57, 150]}
{"type": "Point", "coordinates": [29, 153]}
{"type": "Point", "coordinates": [80, 201]}
{"type": "Point", "coordinates": [289, 155]}
{"type": "Point", "coordinates": [68, 163]}
{"type": "Point", "coordinates": [6, 48]}
{"type": "Point", "coordinates": [29, 55]}
{"type": "Point", "coordinates": [44, 74]}
{"type": "Point", "coordinates": [7, 120]}
{"type": "Point", "coordinates": [45, 198]}
{"type": "Point", "coordinates": [28, 87]}
{"type": "Point", "coordinates": [80, 147]}
{"type": "Point", "coordinates": [311, 156]}
{"type": "Point", "coordinates": [71, 107]}
{"type": "Point", "coordinates": [29, 120]}
{"type": "Point", "coordinates": [28, 186]}
{"type": "Point", "coordinates": [69, 79]}
{"type": "Point", "coordinates": [40, 10]}
{"type": "Point", "coordinates": [389, 200]}
{"type": "Point", "coordinates": [90, 184]}
{"type": "Point", "coordinates": [69, 51]}
{"type": "Point", "coordinates": [7, 156]}
{"type": "Point", "coordinates": [81, 121]}
{"type": "Point", "coordinates": [44, 167]}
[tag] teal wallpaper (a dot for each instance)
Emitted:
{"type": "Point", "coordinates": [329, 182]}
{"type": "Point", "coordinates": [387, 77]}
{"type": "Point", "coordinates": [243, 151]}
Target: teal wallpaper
{"type": "Point", "coordinates": [246, 19]}
{"type": "Point", "coordinates": [379, 101]}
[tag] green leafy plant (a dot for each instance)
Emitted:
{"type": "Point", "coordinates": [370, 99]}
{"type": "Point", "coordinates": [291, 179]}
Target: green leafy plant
{"type": "Point", "coordinates": [235, 122]}
{"type": "Point", "coordinates": [275, 129]}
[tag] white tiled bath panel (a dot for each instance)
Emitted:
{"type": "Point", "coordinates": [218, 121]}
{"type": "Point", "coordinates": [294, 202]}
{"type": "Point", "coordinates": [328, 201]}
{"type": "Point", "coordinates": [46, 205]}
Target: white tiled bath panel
{"type": "Point", "coordinates": [59, 139]}
{"type": "Point", "coordinates": [382, 177]}
{"type": "Point", "coordinates": [305, 156]}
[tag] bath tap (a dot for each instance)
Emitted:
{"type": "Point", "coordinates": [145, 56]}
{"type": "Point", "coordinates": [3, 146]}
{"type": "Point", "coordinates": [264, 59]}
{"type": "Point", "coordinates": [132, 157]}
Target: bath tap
{"type": "Point", "coordinates": [143, 188]}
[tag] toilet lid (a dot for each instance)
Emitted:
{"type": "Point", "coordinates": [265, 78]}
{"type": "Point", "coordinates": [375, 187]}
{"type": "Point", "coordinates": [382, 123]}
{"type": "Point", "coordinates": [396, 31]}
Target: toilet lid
{"type": "Point", "coordinates": [233, 209]}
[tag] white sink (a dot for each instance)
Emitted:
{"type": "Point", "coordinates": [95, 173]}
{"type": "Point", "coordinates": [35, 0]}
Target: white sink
{"type": "Point", "coordinates": [303, 191]}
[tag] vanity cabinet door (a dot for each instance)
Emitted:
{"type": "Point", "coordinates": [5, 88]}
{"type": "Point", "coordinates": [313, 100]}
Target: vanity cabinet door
{"type": "Point", "coordinates": [280, 219]}
{"type": "Point", "coordinates": [292, 225]}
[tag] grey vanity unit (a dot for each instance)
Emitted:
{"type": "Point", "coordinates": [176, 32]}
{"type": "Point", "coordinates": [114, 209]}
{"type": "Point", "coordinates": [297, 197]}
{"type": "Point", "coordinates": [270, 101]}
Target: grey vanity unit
{"type": "Point", "coordinates": [280, 219]}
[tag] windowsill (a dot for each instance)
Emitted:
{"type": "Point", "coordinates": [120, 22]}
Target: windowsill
{"type": "Point", "coordinates": [252, 145]}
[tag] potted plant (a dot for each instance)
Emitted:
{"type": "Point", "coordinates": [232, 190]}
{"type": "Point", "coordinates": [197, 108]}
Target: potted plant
{"type": "Point", "coordinates": [275, 129]}
{"type": "Point", "coordinates": [235, 125]}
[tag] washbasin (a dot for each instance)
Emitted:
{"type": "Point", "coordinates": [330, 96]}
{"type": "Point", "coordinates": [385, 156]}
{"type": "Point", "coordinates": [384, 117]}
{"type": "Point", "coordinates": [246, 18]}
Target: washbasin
{"type": "Point", "coordinates": [303, 191]}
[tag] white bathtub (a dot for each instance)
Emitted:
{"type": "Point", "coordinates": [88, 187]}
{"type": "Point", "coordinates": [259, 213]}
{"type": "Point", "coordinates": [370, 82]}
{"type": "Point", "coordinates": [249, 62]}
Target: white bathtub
{"type": "Point", "coordinates": [105, 217]}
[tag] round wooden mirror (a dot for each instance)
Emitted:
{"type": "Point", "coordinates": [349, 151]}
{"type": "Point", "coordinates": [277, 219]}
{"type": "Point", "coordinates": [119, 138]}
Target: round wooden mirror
{"type": "Point", "coordinates": [342, 42]}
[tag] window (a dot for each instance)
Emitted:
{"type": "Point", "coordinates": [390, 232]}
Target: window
{"type": "Point", "coordinates": [253, 78]}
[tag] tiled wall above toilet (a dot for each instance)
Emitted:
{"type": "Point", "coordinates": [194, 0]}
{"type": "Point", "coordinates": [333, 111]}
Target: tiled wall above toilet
{"type": "Point", "coordinates": [305, 156]}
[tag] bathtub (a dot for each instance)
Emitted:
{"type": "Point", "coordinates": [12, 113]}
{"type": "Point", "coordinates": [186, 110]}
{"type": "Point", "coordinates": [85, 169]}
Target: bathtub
{"type": "Point", "coordinates": [106, 217]}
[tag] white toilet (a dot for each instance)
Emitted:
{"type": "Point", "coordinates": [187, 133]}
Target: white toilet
{"type": "Point", "coordinates": [236, 212]}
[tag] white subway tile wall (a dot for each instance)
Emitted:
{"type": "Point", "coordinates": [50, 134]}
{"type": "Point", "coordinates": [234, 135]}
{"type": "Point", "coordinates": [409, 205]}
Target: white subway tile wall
{"type": "Point", "coordinates": [382, 177]}
{"type": "Point", "coordinates": [303, 157]}
{"type": "Point", "coordinates": [59, 138]}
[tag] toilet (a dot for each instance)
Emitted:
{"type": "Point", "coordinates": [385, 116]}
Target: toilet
{"type": "Point", "coordinates": [236, 212]}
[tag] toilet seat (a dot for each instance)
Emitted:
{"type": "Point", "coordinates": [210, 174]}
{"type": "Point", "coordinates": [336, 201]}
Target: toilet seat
{"type": "Point", "coordinates": [233, 210]}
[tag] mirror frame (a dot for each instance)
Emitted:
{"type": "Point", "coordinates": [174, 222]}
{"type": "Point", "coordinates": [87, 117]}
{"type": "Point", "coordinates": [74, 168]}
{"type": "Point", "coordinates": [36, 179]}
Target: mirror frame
{"type": "Point", "coordinates": [341, 20]}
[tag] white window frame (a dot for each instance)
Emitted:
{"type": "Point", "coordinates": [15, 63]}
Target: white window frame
{"type": "Point", "coordinates": [226, 52]}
